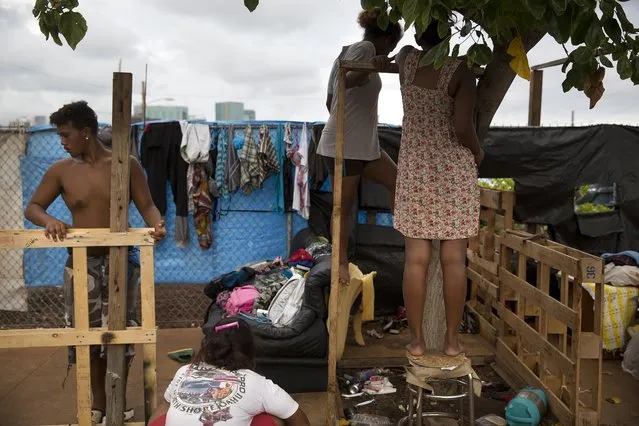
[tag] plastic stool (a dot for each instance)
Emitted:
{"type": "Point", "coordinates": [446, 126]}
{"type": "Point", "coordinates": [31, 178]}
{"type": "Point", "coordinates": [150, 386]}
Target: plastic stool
{"type": "Point", "coordinates": [417, 394]}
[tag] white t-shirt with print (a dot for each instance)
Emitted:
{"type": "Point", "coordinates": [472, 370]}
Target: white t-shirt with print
{"type": "Point", "coordinates": [203, 395]}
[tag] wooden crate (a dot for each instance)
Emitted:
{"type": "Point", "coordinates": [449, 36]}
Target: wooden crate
{"type": "Point", "coordinates": [82, 336]}
{"type": "Point", "coordinates": [553, 364]}
{"type": "Point", "coordinates": [483, 253]}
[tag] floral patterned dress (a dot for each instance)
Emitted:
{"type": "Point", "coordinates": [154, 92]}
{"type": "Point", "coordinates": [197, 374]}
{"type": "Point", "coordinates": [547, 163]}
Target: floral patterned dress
{"type": "Point", "coordinates": [437, 196]}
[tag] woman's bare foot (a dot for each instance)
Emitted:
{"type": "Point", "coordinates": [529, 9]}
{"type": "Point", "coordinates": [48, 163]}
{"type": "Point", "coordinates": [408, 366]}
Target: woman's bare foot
{"type": "Point", "coordinates": [452, 346]}
{"type": "Point", "coordinates": [344, 274]}
{"type": "Point", "coordinates": [416, 348]}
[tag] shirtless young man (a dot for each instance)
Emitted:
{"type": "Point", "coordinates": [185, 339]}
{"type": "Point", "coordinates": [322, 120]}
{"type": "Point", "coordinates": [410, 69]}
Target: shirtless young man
{"type": "Point", "coordinates": [84, 181]}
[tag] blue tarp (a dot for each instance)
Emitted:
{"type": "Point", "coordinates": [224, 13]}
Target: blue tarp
{"type": "Point", "coordinates": [249, 227]}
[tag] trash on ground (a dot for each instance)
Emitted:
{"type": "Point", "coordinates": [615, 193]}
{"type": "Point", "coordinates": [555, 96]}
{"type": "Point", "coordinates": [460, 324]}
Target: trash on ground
{"type": "Point", "coordinates": [374, 333]}
{"type": "Point", "coordinates": [614, 400]}
{"type": "Point", "coordinates": [490, 420]}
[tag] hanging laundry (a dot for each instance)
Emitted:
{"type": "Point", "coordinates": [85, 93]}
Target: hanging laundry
{"type": "Point", "coordinates": [233, 168]}
{"type": "Point", "coordinates": [196, 142]}
{"type": "Point", "coordinates": [287, 171]}
{"type": "Point", "coordinates": [267, 156]}
{"type": "Point", "coordinates": [202, 205]}
{"type": "Point", "coordinates": [301, 195]}
{"type": "Point", "coordinates": [249, 163]}
{"type": "Point", "coordinates": [160, 157]}
{"type": "Point", "coordinates": [220, 165]}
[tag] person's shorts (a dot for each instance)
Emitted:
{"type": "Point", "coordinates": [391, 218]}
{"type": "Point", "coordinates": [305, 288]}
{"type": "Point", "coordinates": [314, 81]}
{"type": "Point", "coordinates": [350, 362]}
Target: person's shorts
{"type": "Point", "coordinates": [98, 289]}
{"type": "Point", "coordinates": [350, 168]}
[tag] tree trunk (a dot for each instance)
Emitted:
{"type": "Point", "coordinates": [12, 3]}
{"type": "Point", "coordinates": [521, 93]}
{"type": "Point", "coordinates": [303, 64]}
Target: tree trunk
{"type": "Point", "coordinates": [491, 89]}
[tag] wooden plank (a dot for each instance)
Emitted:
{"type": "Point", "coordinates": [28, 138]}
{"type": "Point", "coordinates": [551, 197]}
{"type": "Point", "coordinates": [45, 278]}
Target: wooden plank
{"type": "Point", "coordinates": [483, 283]}
{"type": "Point", "coordinates": [499, 218]}
{"type": "Point", "coordinates": [575, 345]}
{"type": "Point", "coordinates": [118, 256]}
{"type": "Point", "coordinates": [508, 358]}
{"type": "Point", "coordinates": [541, 253]}
{"type": "Point", "coordinates": [543, 283]}
{"type": "Point", "coordinates": [57, 337]}
{"type": "Point", "coordinates": [508, 206]}
{"type": "Point", "coordinates": [597, 330]}
{"type": "Point", "coordinates": [520, 307]}
{"type": "Point", "coordinates": [359, 66]}
{"type": "Point", "coordinates": [590, 347]}
{"type": "Point", "coordinates": [147, 295]}
{"type": "Point", "coordinates": [81, 323]}
{"type": "Point", "coordinates": [553, 307]}
{"type": "Point", "coordinates": [333, 314]}
{"type": "Point", "coordinates": [490, 198]}
{"type": "Point", "coordinates": [95, 237]}
{"type": "Point", "coordinates": [534, 100]}
{"type": "Point", "coordinates": [535, 341]}
{"type": "Point", "coordinates": [490, 267]}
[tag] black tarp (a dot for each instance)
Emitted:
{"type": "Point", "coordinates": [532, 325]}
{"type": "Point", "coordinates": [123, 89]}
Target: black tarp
{"type": "Point", "coordinates": [547, 165]}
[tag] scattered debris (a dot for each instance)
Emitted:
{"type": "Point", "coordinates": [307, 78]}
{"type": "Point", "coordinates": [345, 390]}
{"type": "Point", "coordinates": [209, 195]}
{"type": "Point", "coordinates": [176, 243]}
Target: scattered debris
{"type": "Point", "coordinates": [379, 385]}
{"type": "Point", "coordinates": [490, 420]}
{"type": "Point", "coordinates": [374, 333]}
{"type": "Point", "coordinates": [615, 400]}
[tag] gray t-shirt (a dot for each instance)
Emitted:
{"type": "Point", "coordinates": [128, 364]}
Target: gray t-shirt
{"type": "Point", "coordinates": [360, 110]}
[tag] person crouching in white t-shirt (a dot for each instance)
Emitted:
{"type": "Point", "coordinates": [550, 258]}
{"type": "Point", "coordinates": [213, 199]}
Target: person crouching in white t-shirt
{"type": "Point", "coordinates": [220, 388]}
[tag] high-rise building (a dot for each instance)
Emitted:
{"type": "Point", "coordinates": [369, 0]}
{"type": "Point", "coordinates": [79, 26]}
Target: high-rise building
{"type": "Point", "coordinates": [229, 111]}
{"type": "Point", "coordinates": [249, 115]}
{"type": "Point", "coordinates": [163, 112]}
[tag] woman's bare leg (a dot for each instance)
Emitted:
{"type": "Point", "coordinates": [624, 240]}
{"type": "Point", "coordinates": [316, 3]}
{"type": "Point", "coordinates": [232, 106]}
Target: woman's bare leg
{"type": "Point", "coordinates": [349, 189]}
{"type": "Point", "coordinates": [384, 172]}
{"type": "Point", "coordinates": [453, 258]}
{"type": "Point", "coordinates": [417, 259]}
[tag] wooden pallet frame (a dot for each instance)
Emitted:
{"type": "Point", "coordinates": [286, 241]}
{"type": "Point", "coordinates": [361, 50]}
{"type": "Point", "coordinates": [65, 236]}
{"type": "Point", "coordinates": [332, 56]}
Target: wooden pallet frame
{"type": "Point", "coordinates": [496, 216]}
{"type": "Point", "coordinates": [525, 350]}
{"type": "Point", "coordinates": [81, 336]}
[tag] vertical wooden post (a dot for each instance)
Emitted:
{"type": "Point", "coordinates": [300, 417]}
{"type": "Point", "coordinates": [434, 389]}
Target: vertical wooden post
{"type": "Point", "coordinates": [534, 101]}
{"type": "Point", "coordinates": [120, 184]}
{"type": "Point", "coordinates": [81, 320]}
{"type": "Point", "coordinates": [148, 323]}
{"type": "Point", "coordinates": [333, 391]}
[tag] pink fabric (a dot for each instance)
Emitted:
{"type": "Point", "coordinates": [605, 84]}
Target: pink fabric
{"type": "Point", "coordinates": [160, 421]}
{"type": "Point", "coordinates": [242, 300]}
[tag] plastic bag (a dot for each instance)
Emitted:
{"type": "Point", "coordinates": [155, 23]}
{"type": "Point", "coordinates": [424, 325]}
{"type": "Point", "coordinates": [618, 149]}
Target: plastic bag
{"type": "Point", "coordinates": [630, 363]}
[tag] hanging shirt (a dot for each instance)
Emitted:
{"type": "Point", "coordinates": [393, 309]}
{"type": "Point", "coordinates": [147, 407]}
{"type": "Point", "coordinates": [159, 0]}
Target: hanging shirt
{"type": "Point", "coordinates": [301, 196]}
{"type": "Point", "coordinates": [220, 168]}
{"type": "Point", "coordinates": [201, 394]}
{"type": "Point", "coordinates": [196, 142]}
{"type": "Point", "coordinates": [361, 141]}
{"type": "Point", "coordinates": [250, 164]}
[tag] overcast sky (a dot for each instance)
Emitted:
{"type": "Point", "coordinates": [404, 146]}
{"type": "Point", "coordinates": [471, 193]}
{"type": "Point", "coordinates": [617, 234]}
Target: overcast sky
{"type": "Point", "coordinates": [275, 60]}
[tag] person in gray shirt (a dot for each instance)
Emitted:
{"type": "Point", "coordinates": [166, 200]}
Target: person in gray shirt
{"type": "Point", "coordinates": [362, 154]}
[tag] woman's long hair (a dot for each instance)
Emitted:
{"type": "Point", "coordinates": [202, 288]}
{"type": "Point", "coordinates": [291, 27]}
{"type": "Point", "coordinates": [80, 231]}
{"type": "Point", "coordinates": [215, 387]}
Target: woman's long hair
{"type": "Point", "coordinates": [228, 345]}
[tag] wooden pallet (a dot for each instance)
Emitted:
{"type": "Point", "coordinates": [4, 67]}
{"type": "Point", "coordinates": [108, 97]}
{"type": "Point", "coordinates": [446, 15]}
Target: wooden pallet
{"type": "Point", "coordinates": [483, 252]}
{"type": "Point", "coordinates": [526, 348]}
{"type": "Point", "coordinates": [81, 336]}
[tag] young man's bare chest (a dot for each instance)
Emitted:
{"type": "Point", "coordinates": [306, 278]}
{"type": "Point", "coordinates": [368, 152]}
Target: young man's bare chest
{"type": "Point", "coordinates": [87, 186]}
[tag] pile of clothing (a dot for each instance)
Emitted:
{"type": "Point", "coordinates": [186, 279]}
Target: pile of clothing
{"type": "Point", "coordinates": [622, 269]}
{"type": "Point", "coordinates": [268, 292]}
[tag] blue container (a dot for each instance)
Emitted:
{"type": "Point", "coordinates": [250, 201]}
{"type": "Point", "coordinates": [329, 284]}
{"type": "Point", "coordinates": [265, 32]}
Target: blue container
{"type": "Point", "coordinates": [527, 408]}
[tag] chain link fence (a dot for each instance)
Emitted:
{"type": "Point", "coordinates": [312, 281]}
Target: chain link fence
{"type": "Point", "coordinates": [245, 228]}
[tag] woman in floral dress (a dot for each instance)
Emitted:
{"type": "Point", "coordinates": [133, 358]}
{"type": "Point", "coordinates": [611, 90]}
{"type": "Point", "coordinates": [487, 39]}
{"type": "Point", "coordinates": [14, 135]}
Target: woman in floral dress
{"type": "Point", "coordinates": [437, 197]}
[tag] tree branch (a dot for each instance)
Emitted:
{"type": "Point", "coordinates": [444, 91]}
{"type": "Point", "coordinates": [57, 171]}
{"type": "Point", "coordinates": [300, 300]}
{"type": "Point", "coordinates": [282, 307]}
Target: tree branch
{"type": "Point", "coordinates": [496, 81]}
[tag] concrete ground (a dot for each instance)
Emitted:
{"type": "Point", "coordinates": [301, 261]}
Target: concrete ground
{"type": "Point", "coordinates": [32, 392]}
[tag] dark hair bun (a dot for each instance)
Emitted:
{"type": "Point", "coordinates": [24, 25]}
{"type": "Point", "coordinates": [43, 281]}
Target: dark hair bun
{"type": "Point", "coordinates": [368, 18]}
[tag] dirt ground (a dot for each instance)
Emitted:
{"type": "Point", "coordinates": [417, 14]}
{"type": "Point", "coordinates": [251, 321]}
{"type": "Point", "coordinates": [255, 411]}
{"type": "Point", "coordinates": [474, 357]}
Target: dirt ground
{"type": "Point", "coordinates": [32, 392]}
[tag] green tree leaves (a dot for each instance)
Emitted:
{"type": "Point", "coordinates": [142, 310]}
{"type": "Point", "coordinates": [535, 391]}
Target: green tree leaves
{"type": "Point", "coordinates": [57, 17]}
{"type": "Point", "coordinates": [251, 5]}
